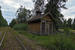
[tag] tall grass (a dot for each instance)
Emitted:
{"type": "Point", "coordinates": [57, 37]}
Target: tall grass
{"type": "Point", "coordinates": [53, 42]}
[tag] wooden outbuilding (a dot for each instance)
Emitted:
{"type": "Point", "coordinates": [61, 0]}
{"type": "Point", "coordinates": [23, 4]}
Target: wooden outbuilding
{"type": "Point", "coordinates": [42, 25]}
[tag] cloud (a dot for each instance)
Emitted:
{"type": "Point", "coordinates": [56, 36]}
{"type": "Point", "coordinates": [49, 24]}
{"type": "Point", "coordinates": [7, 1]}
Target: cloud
{"type": "Point", "coordinates": [8, 1]}
{"type": "Point", "coordinates": [70, 12]}
{"type": "Point", "coordinates": [9, 8]}
{"type": "Point", "coordinates": [11, 3]}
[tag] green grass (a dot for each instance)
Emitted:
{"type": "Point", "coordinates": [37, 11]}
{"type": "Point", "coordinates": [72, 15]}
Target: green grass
{"type": "Point", "coordinates": [56, 41]}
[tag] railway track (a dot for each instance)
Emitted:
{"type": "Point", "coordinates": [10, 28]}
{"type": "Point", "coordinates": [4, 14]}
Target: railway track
{"type": "Point", "coordinates": [16, 40]}
{"type": "Point", "coordinates": [2, 39]}
{"type": "Point", "coordinates": [21, 44]}
{"type": "Point", "coordinates": [10, 41]}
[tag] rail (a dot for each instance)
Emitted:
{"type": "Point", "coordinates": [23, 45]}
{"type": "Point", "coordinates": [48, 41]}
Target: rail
{"type": "Point", "coordinates": [2, 39]}
{"type": "Point", "coordinates": [20, 42]}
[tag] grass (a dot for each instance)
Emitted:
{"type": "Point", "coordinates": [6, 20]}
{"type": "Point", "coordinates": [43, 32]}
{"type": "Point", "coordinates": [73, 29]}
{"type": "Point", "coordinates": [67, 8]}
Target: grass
{"type": "Point", "coordinates": [58, 41]}
{"type": "Point", "coordinates": [9, 39]}
{"type": "Point", "coordinates": [52, 42]}
{"type": "Point", "coordinates": [2, 31]}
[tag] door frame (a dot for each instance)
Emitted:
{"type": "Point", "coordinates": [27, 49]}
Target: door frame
{"type": "Point", "coordinates": [41, 25]}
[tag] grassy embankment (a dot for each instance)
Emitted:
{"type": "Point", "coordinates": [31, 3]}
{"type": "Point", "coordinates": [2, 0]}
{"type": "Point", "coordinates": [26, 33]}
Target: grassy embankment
{"type": "Point", "coordinates": [58, 41]}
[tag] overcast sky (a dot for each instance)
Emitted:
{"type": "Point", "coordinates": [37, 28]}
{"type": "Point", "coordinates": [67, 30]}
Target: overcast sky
{"type": "Point", "coordinates": [9, 8]}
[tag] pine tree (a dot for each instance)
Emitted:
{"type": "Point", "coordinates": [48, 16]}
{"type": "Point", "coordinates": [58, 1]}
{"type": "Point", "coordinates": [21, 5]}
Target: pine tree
{"type": "Point", "coordinates": [73, 25]}
{"type": "Point", "coordinates": [3, 22]}
{"type": "Point", "coordinates": [69, 23]}
{"type": "Point", "coordinates": [13, 22]}
{"type": "Point", "coordinates": [54, 7]}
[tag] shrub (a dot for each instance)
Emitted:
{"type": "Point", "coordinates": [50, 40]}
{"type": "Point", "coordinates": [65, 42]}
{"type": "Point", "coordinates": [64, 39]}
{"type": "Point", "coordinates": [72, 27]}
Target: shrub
{"type": "Point", "coordinates": [20, 26]}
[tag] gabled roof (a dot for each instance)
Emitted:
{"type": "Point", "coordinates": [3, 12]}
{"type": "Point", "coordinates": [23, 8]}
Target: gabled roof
{"type": "Point", "coordinates": [34, 18]}
{"type": "Point", "coordinates": [37, 17]}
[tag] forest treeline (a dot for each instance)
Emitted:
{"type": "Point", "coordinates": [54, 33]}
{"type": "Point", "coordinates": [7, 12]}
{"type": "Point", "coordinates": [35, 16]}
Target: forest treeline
{"type": "Point", "coordinates": [53, 7]}
{"type": "Point", "coordinates": [70, 23]}
{"type": "Point", "coordinates": [3, 21]}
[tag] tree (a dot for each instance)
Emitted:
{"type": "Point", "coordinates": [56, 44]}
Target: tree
{"type": "Point", "coordinates": [38, 7]}
{"type": "Point", "coordinates": [13, 22]}
{"type": "Point", "coordinates": [54, 7]}
{"type": "Point", "coordinates": [65, 23]}
{"type": "Point", "coordinates": [69, 23]}
{"type": "Point", "coordinates": [73, 25]}
{"type": "Point", "coordinates": [3, 22]}
{"type": "Point", "coordinates": [21, 14]}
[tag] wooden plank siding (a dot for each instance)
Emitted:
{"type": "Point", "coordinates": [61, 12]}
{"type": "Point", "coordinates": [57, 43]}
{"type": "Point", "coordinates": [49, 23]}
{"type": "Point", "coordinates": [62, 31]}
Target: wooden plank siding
{"type": "Point", "coordinates": [41, 28]}
{"type": "Point", "coordinates": [34, 28]}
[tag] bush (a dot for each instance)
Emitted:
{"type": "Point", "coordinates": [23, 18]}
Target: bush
{"type": "Point", "coordinates": [20, 26]}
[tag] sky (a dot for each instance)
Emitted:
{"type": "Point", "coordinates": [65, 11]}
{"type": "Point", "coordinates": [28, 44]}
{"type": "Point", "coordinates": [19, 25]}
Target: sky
{"type": "Point", "coordinates": [9, 8]}
{"type": "Point", "coordinates": [70, 12]}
